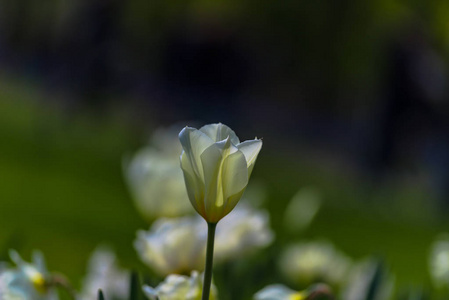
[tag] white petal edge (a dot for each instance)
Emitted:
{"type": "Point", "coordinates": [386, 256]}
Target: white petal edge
{"type": "Point", "coordinates": [194, 142]}
{"type": "Point", "coordinates": [250, 149]}
{"type": "Point", "coordinates": [219, 132]}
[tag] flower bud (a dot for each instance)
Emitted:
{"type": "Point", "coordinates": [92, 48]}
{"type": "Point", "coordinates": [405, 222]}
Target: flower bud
{"type": "Point", "coordinates": [216, 168]}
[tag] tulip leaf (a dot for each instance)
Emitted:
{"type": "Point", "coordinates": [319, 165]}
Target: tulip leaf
{"type": "Point", "coordinates": [100, 295]}
{"type": "Point", "coordinates": [376, 282]}
{"type": "Point", "coordinates": [135, 287]}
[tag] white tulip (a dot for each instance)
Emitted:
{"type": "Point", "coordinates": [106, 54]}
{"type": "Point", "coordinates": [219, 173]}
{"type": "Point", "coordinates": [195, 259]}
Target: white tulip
{"type": "Point", "coordinates": [216, 168]}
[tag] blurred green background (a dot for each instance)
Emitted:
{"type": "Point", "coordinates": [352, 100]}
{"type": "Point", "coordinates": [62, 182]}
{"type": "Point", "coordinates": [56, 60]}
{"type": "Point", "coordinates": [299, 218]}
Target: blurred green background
{"type": "Point", "coordinates": [84, 84]}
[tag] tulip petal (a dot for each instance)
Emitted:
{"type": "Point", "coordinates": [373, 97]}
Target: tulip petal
{"type": "Point", "coordinates": [194, 142]}
{"type": "Point", "coordinates": [232, 202]}
{"type": "Point", "coordinates": [234, 174]}
{"type": "Point", "coordinates": [250, 149]}
{"type": "Point", "coordinates": [212, 160]}
{"type": "Point", "coordinates": [194, 189]}
{"type": "Point", "coordinates": [219, 132]}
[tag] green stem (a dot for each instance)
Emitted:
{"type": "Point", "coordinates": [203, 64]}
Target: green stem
{"type": "Point", "coordinates": [209, 260]}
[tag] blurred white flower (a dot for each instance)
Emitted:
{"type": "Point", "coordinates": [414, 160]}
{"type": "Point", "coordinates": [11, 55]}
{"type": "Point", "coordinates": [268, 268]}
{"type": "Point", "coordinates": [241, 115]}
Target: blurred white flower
{"type": "Point", "coordinates": [155, 178]}
{"type": "Point", "coordinates": [173, 245]}
{"type": "Point", "coordinates": [361, 279]}
{"type": "Point", "coordinates": [302, 209]}
{"type": "Point", "coordinates": [439, 261]}
{"type": "Point", "coordinates": [179, 287]}
{"type": "Point", "coordinates": [307, 263]}
{"type": "Point", "coordinates": [5, 279]}
{"type": "Point", "coordinates": [27, 281]}
{"type": "Point", "coordinates": [279, 292]}
{"type": "Point", "coordinates": [178, 246]}
{"type": "Point", "coordinates": [242, 231]}
{"type": "Point", "coordinates": [104, 273]}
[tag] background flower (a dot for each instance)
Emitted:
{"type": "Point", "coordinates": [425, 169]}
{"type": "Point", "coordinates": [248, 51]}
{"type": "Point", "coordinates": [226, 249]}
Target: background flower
{"type": "Point", "coordinates": [103, 272]}
{"type": "Point", "coordinates": [178, 245]}
{"type": "Point", "coordinates": [368, 279]}
{"type": "Point", "coordinates": [27, 280]}
{"type": "Point", "coordinates": [173, 245]}
{"type": "Point", "coordinates": [244, 230]}
{"type": "Point", "coordinates": [302, 209]}
{"type": "Point", "coordinates": [279, 292]}
{"type": "Point", "coordinates": [179, 287]}
{"type": "Point", "coordinates": [439, 262]}
{"type": "Point", "coordinates": [310, 262]}
{"type": "Point", "coordinates": [155, 179]}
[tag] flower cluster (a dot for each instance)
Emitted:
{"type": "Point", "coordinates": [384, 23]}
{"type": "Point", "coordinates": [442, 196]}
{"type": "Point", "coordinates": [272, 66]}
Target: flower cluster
{"type": "Point", "coordinates": [177, 246]}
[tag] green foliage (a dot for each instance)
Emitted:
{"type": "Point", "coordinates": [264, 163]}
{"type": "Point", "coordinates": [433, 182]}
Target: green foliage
{"type": "Point", "coordinates": [135, 287]}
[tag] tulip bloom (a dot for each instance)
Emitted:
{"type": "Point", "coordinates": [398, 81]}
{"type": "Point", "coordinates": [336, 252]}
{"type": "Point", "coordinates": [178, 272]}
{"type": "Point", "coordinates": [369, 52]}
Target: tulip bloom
{"type": "Point", "coordinates": [216, 168]}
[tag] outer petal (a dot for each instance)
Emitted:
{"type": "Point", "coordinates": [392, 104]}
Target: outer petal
{"type": "Point", "coordinates": [194, 142]}
{"type": "Point", "coordinates": [250, 149]}
{"type": "Point", "coordinates": [212, 160]}
{"type": "Point", "coordinates": [234, 174]}
{"type": "Point", "coordinates": [232, 202]}
{"type": "Point", "coordinates": [195, 189]}
{"type": "Point", "coordinates": [219, 132]}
